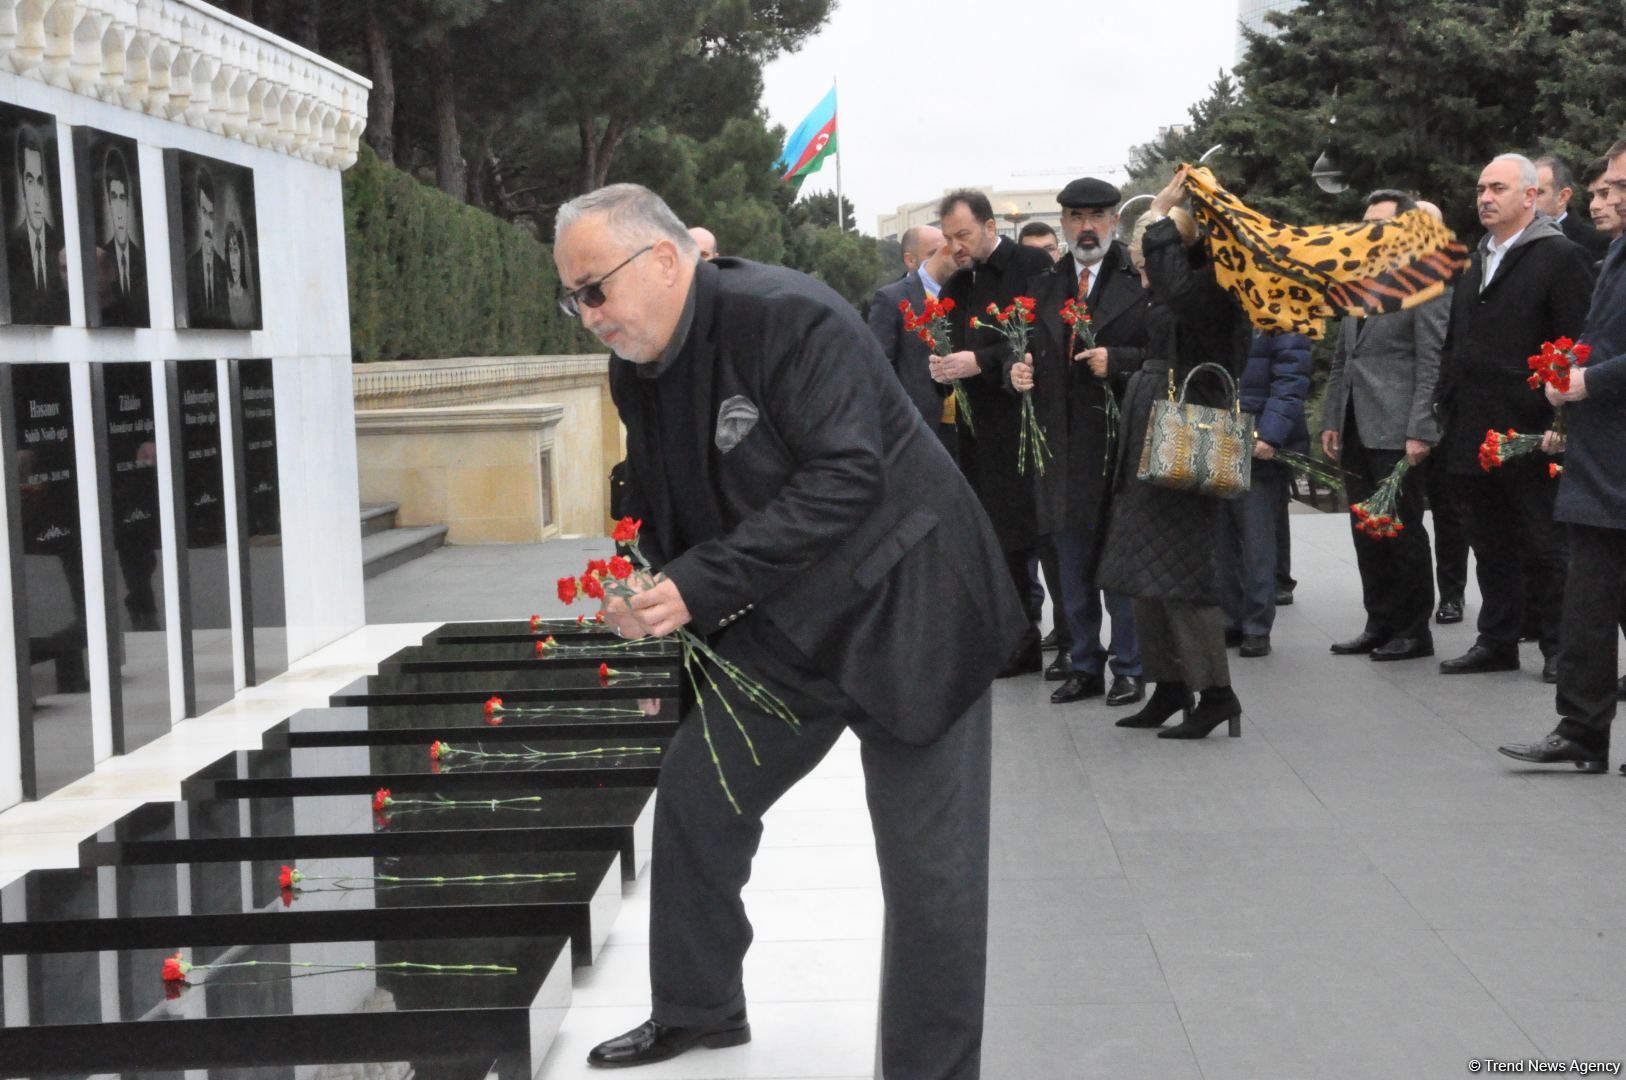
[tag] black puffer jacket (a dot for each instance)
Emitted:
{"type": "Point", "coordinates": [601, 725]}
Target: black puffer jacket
{"type": "Point", "coordinates": [1160, 543]}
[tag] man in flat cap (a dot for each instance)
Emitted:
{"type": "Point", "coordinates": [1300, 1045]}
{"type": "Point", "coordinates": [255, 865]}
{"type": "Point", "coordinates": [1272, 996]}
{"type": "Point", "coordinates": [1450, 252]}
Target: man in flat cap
{"type": "Point", "coordinates": [1071, 384]}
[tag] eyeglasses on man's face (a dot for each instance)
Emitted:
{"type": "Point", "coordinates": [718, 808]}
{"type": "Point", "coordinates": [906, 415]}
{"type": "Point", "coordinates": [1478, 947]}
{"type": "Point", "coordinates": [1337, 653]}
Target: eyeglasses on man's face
{"type": "Point", "coordinates": [591, 295]}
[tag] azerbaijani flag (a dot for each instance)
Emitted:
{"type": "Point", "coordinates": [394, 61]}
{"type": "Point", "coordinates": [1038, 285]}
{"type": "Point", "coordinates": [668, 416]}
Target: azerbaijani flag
{"type": "Point", "coordinates": [813, 140]}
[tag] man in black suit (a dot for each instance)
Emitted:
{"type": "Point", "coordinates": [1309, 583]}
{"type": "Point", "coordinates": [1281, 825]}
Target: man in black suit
{"type": "Point", "coordinates": [906, 351]}
{"type": "Point", "coordinates": [34, 250]}
{"type": "Point", "coordinates": [993, 270]}
{"type": "Point", "coordinates": [207, 305]}
{"type": "Point", "coordinates": [121, 264]}
{"type": "Point", "coordinates": [1526, 284]}
{"type": "Point", "coordinates": [1555, 188]}
{"type": "Point", "coordinates": [805, 522]}
{"type": "Point", "coordinates": [1071, 385]}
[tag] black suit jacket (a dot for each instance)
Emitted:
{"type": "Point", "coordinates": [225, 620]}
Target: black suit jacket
{"type": "Point", "coordinates": [119, 309]}
{"type": "Point", "coordinates": [200, 314]}
{"type": "Point", "coordinates": [845, 523]}
{"type": "Point", "coordinates": [30, 304]}
{"type": "Point", "coordinates": [907, 353]}
{"type": "Point", "coordinates": [1583, 232]}
{"type": "Point", "coordinates": [988, 450]}
{"type": "Point", "coordinates": [1071, 402]}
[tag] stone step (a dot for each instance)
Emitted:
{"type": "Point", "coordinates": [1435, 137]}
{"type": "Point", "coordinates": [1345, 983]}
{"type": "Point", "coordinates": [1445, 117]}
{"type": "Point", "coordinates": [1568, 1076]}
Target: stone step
{"type": "Point", "coordinates": [389, 549]}
{"type": "Point", "coordinates": [377, 517]}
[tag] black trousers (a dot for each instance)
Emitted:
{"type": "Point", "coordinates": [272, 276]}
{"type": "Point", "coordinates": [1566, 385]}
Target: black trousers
{"type": "Point", "coordinates": [1019, 563]}
{"type": "Point", "coordinates": [929, 811]}
{"type": "Point", "coordinates": [1519, 553]}
{"type": "Point", "coordinates": [1397, 575]}
{"type": "Point", "coordinates": [1050, 564]}
{"type": "Point", "coordinates": [1594, 592]}
{"type": "Point", "coordinates": [1450, 530]}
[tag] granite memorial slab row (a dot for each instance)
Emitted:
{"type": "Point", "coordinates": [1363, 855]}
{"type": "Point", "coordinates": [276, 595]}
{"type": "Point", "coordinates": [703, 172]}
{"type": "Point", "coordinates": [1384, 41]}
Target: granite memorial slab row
{"type": "Point", "coordinates": [259, 519]}
{"type": "Point", "coordinates": [512, 630]}
{"type": "Point", "coordinates": [282, 1004]}
{"type": "Point", "coordinates": [449, 1063]}
{"type": "Point", "coordinates": [202, 564]}
{"type": "Point", "coordinates": [536, 684]}
{"type": "Point", "coordinates": [463, 771]}
{"type": "Point", "coordinates": [395, 897]}
{"type": "Point", "coordinates": [335, 826]}
{"type": "Point", "coordinates": [413, 725]}
{"type": "Point", "coordinates": [523, 656]}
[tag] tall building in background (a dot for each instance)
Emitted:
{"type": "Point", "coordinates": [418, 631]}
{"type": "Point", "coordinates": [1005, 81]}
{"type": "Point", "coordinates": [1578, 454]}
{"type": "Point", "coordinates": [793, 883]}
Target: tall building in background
{"type": "Point", "coordinates": [1251, 15]}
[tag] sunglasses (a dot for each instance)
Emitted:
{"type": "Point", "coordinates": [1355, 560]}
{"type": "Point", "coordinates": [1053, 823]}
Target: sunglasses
{"type": "Point", "coordinates": [591, 295]}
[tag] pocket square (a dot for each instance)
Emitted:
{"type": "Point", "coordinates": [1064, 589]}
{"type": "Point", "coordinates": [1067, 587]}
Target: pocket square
{"type": "Point", "coordinates": [735, 419]}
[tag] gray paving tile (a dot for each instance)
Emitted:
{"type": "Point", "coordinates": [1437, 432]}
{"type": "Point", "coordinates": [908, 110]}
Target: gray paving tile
{"type": "Point", "coordinates": [1297, 903]}
{"type": "Point", "coordinates": [1177, 857]}
{"type": "Point", "coordinates": [1587, 1030]}
{"type": "Point", "coordinates": [1069, 968]}
{"type": "Point", "coordinates": [1086, 1042]}
{"type": "Point", "coordinates": [1056, 906]}
{"type": "Point", "coordinates": [1546, 964]}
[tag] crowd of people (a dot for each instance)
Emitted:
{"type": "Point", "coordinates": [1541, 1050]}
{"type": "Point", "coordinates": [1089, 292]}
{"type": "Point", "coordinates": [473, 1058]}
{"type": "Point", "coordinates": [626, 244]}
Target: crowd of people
{"type": "Point", "coordinates": [1176, 579]}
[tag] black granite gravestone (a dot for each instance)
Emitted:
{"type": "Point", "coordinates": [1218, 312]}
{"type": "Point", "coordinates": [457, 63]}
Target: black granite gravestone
{"type": "Point", "coordinates": [441, 1063]}
{"type": "Point", "coordinates": [510, 630]}
{"type": "Point", "coordinates": [254, 416]}
{"type": "Point", "coordinates": [48, 610]}
{"type": "Point", "coordinates": [538, 683]}
{"type": "Point", "coordinates": [123, 403]}
{"type": "Point", "coordinates": [200, 488]}
{"type": "Point", "coordinates": [384, 725]}
{"type": "Point", "coordinates": [528, 655]}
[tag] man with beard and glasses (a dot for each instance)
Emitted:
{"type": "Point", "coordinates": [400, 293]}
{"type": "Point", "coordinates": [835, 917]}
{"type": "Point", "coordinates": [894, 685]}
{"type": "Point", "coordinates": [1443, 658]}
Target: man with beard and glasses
{"type": "Point", "coordinates": [1071, 383]}
{"type": "Point", "coordinates": [993, 270]}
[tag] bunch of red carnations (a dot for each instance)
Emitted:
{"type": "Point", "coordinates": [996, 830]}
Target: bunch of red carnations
{"type": "Point", "coordinates": [1377, 516]}
{"type": "Point", "coordinates": [1013, 321]}
{"type": "Point", "coordinates": [932, 327]}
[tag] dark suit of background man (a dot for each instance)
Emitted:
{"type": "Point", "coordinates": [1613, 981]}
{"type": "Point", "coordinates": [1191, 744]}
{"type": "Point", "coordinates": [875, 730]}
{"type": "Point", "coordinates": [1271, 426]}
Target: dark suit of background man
{"type": "Point", "coordinates": [206, 302]}
{"type": "Point", "coordinates": [811, 528]}
{"type": "Point", "coordinates": [1592, 502]}
{"type": "Point", "coordinates": [121, 266]}
{"type": "Point", "coordinates": [908, 354]}
{"type": "Point", "coordinates": [992, 270]}
{"type": "Point", "coordinates": [34, 250]}
{"type": "Point", "coordinates": [1070, 389]}
{"type": "Point", "coordinates": [1555, 190]}
{"type": "Point", "coordinates": [1527, 284]}
{"type": "Point", "coordinates": [1379, 408]}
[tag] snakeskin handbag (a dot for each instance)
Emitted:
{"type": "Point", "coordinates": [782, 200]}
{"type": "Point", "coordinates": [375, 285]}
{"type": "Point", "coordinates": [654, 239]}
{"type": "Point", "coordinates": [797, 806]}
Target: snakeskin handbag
{"type": "Point", "coordinates": [1198, 447]}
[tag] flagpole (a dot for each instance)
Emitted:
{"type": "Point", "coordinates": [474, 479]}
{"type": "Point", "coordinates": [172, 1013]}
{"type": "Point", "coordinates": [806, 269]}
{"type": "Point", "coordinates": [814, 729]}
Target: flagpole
{"type": "Point", "coordinates": [841, 212]}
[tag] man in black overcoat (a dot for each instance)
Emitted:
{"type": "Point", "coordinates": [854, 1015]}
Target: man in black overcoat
{"type": "Point", "coordinates": [1071, 385]}
{"type": "Point", "coordinates": [1592, 503]}
{"type": "Point", "coordinates": [1555, 191]}
{"type": "Point", "coordinates": [806, 522]}
{"type": "Point", "coordinates": [1526, 284]}
{"type": "Point", "coordinates": [906, 351]}
{"type": "Point", "coordinates": [993, 270]}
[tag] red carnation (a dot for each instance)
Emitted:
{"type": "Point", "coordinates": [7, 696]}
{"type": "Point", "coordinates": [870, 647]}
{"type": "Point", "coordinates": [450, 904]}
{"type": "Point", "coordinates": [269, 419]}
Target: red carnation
{"type": "Point", "coordinates": [598, 567]}
{"type": "Point", "coordinates": [903, 306]}
{"type": "Point", "coordinates": [289, 877]}
{"type": "Point", "coordinates": [604, 672]}
{"type": "Point", "coordinates": [592, 588]}
{"type": "Point", "coordinates": [438, 749]}
{"type": "Point", "coordinates": [626, 530]}
{"type": "Point", "coordinates": [945, 305]}
{"type": "Point", "coordinates": [541, 648]}
{"type": "Point", "coordinates": [567, 591]}
{"type": "Point", "coordinates": [581, 620]}
{"type": "Point", "coordinates": [536, 620]}
{"type": "Point", "coordinates": [381, 799]}
{"type": "Point", "coordinates": [175, 968]}
{"type": "Point", "coordinates": [493, 705]}
{"type": "Point", "coordinates": [620, 568]}
{"type": "Point", "coordinates": [599, 618]}
{"type": "Point", "coordinates": [1554, 469]}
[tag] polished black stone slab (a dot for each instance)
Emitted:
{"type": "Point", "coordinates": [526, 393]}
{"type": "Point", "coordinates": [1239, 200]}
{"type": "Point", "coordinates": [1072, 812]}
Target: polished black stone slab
{"type": "Point", "coordinates": [539, 683]}
{"type": "Point", "coordinates": [110, 1010]}
{"type": "Point", "coordinates": [340, 899]}
{"type": "Point", "coordinates": [382, 725]}
{"type": "Point", "coordinates": [450, 1063]}
{"type": "Point", "coordinates": [202, 563]}
{"type": "Point", "coordinates": [522, 656]}
{"type": "Point", "coordinates": [303, 827]}
{"type": "Point", "coordinates": [510, 630]}
{"type": "Point", "coordinates": [341, 770]}
{"type": "Point", "coordinates": [259, 519]}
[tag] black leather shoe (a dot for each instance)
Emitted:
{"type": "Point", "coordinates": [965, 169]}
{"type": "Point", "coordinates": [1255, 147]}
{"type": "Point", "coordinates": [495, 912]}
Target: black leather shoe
{"type": "Point", "coordinates": [1060, 668]}
{"type": "Point", "coordinates": [1030, 661]}
{"type": "Point", "coordinates": [1255, 645]}
{"type": "Point", "coordinates": [1077, 688]}
{"type": "Point", "coordinates": [1555, 750]}
{"type": "Point", "coordinates": [1480, 659]}
{"type": "Point", "coordinates": [1050, 641]}
{"type": "Point", "coordinates": [1549, 670]}
{"type": "Point", "coordinates": [651, 1042]}
{"type": "Point", "coordinates": [1284, 597]}
{"type": "Point", "coordinates": [1126, 690]}
{"type": "Point", "coordinates": [1363, 642]}
{"type": "Point", "coordinates": [1404, 648]}
{"type": "Point", "coordinates": [1449, 611]}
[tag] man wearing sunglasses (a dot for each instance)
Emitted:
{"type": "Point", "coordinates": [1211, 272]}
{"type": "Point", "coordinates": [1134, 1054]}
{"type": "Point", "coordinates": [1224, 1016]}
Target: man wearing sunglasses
{"type": "Point", "coordinates": [806, 521]}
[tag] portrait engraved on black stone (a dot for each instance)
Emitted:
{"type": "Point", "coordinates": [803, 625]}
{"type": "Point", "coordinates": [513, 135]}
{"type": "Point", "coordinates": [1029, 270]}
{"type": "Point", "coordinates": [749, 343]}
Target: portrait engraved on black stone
{"type": "Point", "coordinates": [112, 238]}
{"type": "Point", "coordinates": [36, 266]}
{"type": "Point", "coordinates": [214, 243]}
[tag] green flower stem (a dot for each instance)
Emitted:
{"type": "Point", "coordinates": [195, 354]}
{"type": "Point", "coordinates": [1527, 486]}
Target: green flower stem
{"type": "Point", "coordinates": [402, 965]}
{"type": "Point", "coordinates": [382, 882]}
{"type": "Point", "coordinates": [464, 804]}
{"type": "Point", "coordinates": [705, 731]}
{"type": "Point", "coordinates": [531, 754]}
{"type": "Point", "coordinates": [591, 712]}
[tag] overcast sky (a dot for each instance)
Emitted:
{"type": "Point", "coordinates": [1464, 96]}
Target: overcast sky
{"type": "Point", "coordinates": [933, 95]}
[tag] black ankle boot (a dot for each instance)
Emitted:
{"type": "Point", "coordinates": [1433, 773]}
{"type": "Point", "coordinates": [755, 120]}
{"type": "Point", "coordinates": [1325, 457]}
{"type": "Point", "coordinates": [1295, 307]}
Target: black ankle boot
{"type": "Point", "coordinates": [1219, 705]}
{"type": "Point", "coordinates": [1167, 699]}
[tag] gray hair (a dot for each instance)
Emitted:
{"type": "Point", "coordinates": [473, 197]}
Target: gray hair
{"type": "Point", "coordinates": [1527, 168]}
{"type": "Point", "coordinates": [634, 214]}
{"type": "Point", "coordinates": [1562, 176]}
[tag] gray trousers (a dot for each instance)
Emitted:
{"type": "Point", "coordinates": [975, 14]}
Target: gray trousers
{"type": "Point", "coordinates": [1182, 642]}
{"type": "Point", "coordinates": [929, 811]}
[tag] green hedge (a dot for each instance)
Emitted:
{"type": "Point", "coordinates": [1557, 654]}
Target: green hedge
{"type": "Point", "coordinates": [431, 277]}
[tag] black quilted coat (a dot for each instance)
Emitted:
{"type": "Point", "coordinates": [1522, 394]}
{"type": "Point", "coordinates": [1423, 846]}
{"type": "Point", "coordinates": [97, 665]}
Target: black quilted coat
{"type": "Point", "coordinates": [1161, 543]}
